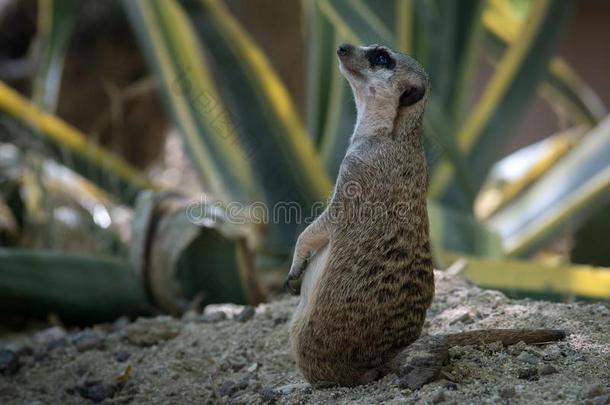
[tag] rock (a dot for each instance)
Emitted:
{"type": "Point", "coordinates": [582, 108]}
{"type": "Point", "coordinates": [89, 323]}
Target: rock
{"type": "Point", "coordinates": [547, 369]}
{"type": "Point", "coordinates": [280, 319]}
{"type": "Point", "coordinates": [507, 392]}
{"type": "Point", "coordinates": [149, 332]}
{"type": "Point", "coordinates": [21, 349]}
{"type": "Point", "coordinates": [122, 356]}
{"type": "Point", "coordinates": [451, 386]}
{"type": "Point", "coordinates": [96, 391]}
{"type": "Point", "coordinates": [528, 373]}
{"type": "Point", "coordinates": [495, 347]}
{"type": "Point", "coordinates": [289, 388]}
{"type": "Point", "coordinates": [528, 358]}
{"type": "Point", "coordinates": [212, 317]}
{"type": "Point", "coordinates": [9, 362]}
{"type": "Point", "coordinates": [51, 338]}
{"type": "Point", "coordinates": [435, 397]}
{"type": "Point", "coordinates": [229, 387]}
{"type": "Point", "coordinates": [517, 348]}
{"type": "Point", "coordinates": [551, 354]}
{"type": "Point", "coordinates": [417, 379]}
{"type": "Point", "coordinates": [594, 390]}
{"type": "Point", "coordinates": [121, 323]}
{"type": "Point", "coordinates": [246, 314]}
{"type": "Point", "coordinates": [268, 395]}
{"type": "Point", "coordinates": [87, 340]}
{"type": "Point", "coordinates": [190, 316]}
{"type": "Point", "coordinates": [601, 400]}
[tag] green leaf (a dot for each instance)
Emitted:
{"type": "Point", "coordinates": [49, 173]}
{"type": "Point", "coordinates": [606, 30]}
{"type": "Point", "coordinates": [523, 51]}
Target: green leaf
{"type": "Point", "coordinates": [56, 19]}
{"type": "Point", "coordinates": [560, 196]}
{"type": "Point", "coordinates": [484, 134]}
{"type": "Point", "coordinates": [562, 85]}
{"type": "Point", "coordinates": [440, 60]}
{"type": "Point", "coordinates": [321, 68]}
{"type": "Point", "coordinates": [289, 171]}
{"type": "Point", "coordinates": [168, 41]}
{"type": "Point", "coordinates": [77, 288]}
{"type": "Point", "coordinates": [456, 230]}
{"type": "Point", "coordinates": [586, 248]}
{"type": "Point", "coordinates": [26, 122]}
{"type": "Point", "coordinates": [355, 21]}
{"type": "Point", "coordinates": [514, 276]}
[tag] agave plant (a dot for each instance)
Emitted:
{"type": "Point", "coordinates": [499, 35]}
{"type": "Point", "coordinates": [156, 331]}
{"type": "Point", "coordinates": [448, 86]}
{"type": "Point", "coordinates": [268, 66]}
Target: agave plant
{"type": "Point", "coordinates": [250, 146]}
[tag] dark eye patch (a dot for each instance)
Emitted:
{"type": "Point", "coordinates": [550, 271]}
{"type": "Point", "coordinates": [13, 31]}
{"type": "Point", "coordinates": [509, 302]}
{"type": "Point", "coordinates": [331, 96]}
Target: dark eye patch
{"type": "Point", "coordinates": [380, 58]}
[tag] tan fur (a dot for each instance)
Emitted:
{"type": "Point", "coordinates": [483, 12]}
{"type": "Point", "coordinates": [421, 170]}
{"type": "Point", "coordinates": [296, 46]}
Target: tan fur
{"type": "Point", "coordinates": [365, 293]}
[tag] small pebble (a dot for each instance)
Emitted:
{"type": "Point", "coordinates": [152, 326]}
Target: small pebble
{"type": "Point", "coordinates": [121, 322]}
{"type": "Point", "coordinates": [149, 332]}
{"type": "Point", "coordinates": [594, 390]}
{"type": "Point", "coordinates": [601, 400]}
{"type": "Point", "coordinates": [288, 388]}
{"type": "Point", "coordinates": [506, 392]}
{"type": "Point", "coordinates": [51, 338]}
{"type": "Point", "coordinates": [548, 369]}
{"type": "Point", "coordinates": [526, 357]}
{"type": "Point", "coordinates": [268, 395]}
{"type": "Point", "coordinates": [528, 373]}
{"type": "Point", "coordinates": [96, 391]}
{"type": "Point", "coordinates": [280, 319]}
{"type": "Point", "coordinates": [451, 386]}
{"type": "Point", "coordinates": [246, 314]}
{"type": "Point", "coordinates": [229, 387]}
{"type": "Point", "coordinates": [517, 348]}
{"type": "Point", "coordinates": [87, 340]}
{"type": "Point", "coordinates": [190, 316]}
{"type": "Point", "coordinates": [435, 397]}
{"type": "Point", "coordinates": [122, 356]}
{"type": "Point", "coordinates": [212, 317]}
{"type": "Point", "coordinates": [9, 362]}
{"type": "Point", "coordinates": [552, 353]}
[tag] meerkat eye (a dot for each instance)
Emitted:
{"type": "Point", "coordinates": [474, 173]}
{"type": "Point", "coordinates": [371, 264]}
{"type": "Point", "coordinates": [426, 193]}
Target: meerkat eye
{"type": "Point", "coordinates": [379, 57]}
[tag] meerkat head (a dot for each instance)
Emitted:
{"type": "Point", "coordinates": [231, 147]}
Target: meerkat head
{"type": "Point", "coordinates": [389, 83]}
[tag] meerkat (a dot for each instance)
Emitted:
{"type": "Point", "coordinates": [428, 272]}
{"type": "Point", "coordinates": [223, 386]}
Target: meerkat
{"type": "Point", "coordinates": [367, 287]}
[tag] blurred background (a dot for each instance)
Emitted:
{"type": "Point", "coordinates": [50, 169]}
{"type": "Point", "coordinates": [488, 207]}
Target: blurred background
{"type": "Point", "coordinates": [130, 131]}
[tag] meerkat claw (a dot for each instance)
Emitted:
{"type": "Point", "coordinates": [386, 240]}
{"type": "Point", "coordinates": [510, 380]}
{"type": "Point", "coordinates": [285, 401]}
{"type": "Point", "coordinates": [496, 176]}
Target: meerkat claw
{"type": "Point", "coordinates": [288, 287]}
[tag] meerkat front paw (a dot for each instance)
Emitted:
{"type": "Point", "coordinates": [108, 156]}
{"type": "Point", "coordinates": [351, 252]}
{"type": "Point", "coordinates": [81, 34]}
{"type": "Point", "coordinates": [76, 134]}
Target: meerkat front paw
{"type": "Point", "coordinates": [296, 271]}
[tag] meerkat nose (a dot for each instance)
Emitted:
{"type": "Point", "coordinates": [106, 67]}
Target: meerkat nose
{"type": "Point", "coordinates": [344, 49]}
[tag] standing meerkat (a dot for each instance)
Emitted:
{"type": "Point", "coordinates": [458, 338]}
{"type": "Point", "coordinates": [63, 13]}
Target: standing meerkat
{"type": "Point", "coordinates": [366, 290]}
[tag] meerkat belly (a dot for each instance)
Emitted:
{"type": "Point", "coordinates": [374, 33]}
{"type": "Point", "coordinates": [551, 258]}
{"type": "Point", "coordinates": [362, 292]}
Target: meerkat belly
{"type": "Point", "coordinates": [312, 276]}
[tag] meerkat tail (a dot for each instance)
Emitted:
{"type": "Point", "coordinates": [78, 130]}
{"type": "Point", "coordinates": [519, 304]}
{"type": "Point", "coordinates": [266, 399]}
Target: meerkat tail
{"type": "Point", "coordinates": [421, 363]}
{"type": "Point", "coordinates": [506, 336]}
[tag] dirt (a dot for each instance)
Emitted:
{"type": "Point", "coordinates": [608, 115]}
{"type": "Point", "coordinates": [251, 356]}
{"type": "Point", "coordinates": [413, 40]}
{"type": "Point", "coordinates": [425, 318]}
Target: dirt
{"type": "Point", "coordinates": [240, 356]}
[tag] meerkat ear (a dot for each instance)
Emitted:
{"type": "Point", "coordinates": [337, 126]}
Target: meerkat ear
{"type": "Point", "coordinates": [411, 96]}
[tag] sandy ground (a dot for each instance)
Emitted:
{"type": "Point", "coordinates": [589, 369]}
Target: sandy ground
{"type": "Point", "coordinates": [207, 359]}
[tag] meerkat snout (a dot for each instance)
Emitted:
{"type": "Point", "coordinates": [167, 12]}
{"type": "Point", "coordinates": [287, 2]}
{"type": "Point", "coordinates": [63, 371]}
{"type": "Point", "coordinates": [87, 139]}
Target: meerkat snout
{"type": "Point", "coordinates": [344, 49]}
